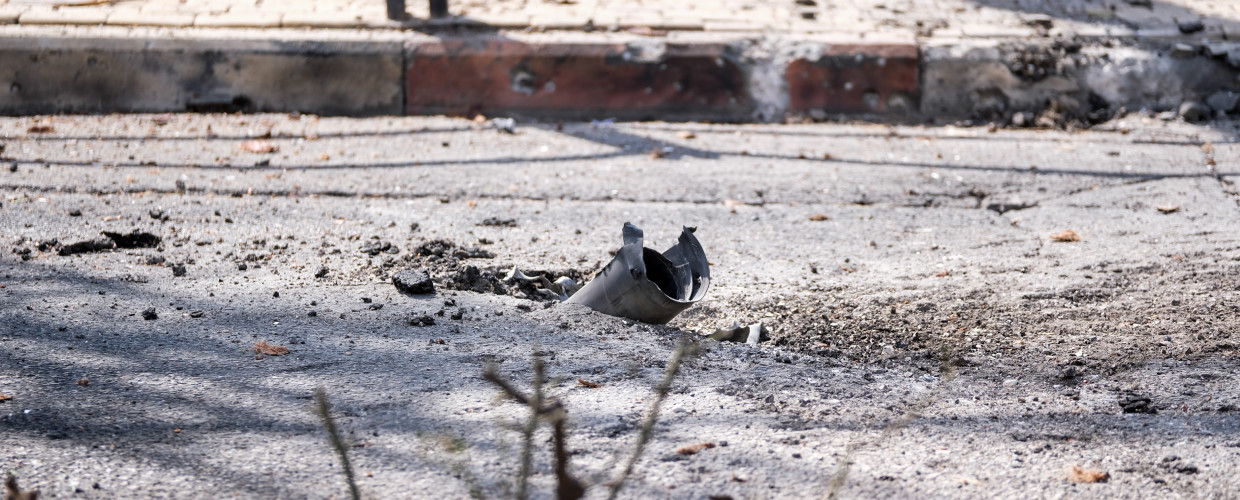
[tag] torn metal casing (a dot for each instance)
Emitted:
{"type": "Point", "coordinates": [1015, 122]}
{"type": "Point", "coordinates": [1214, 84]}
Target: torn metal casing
{"type": "Point", "coordinates": [644, 285]}
{"type": "Point", "coordinates": [560, 289]}
{"type": "Point", "coordinates": [749, 334]}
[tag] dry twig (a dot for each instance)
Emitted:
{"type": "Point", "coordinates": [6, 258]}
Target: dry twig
{"type": "Point", "coordinates": [333, 435]}
{"type": "Point", "coordinates": [567, 487]}
{"type": "Point", "coordinates": [531, 425]}
{"type": "Point", "coordinates": [13, 492]}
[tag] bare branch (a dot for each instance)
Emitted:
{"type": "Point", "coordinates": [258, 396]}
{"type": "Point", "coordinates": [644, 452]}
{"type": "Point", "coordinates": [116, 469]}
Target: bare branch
{"type": "Point", "coordinates": [494, 377]}
{"type": "Point", "coordinates": [567, 487]}
{"type": "Point", "coordinates": [531, 425]}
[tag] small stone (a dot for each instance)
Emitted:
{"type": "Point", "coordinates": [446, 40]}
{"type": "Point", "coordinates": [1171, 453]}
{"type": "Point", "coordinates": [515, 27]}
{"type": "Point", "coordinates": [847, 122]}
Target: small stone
{"type": "Point", "coordinates": [1022, 119]}
{"type": "Point", "coordinates": [1194, 111]}
{"type": "Point", "coordinates": [498, 222]}
{"type": "Point", "coordinates": [196, 314]}
{"type": "Point", "coordinates": [1183, 51]}
{"type": "Point", "coordinates": [322, 272]}
{"type": "Point", "coordinates": [75, 213]}
{"type": "Point", "coordinates": [150, 314]}
{"type": "Point", "coordinates": [1233, 58]}
{"type": "Point", "coordinates": [1190, 27]}
{"type": "Point", "coordinates": [413, 281]}
{"type": "Point", "coordinates": [155, 260]}
{"type": "Point", "coordinates": [505, 125]}
{"type": "Point", "coordinates": [178, 271]}
{"type": "Point", "coordinates": [1224, 101]}
{"type": "Point", "coordinates": [1133, 403]}
{"type": "Point", "coordinates": [312, 314]}
{"type": "Point", "coordinates": [156, 213]}
{"type": "Point", "coordinates": [1040, 21]}
{"type": "Point", "coordinates": [1217, 49]}
{"type": "Point", "coordinates": [376, 307]}
{"type": "Point", "coordinates": [1069, 373]}
{"type": "Point", "coordinates": [378, 247]}
{"type": "Point", "coordinates": [366, 300]}
{"type": "Point", "coordinates": [242, 266]}
{"type": "Point", "coordinates": [1183, 468]}
{"type": "Point", "coordinates": [275, 294]}
{"type": "Point", "coordinates": [421, 320]}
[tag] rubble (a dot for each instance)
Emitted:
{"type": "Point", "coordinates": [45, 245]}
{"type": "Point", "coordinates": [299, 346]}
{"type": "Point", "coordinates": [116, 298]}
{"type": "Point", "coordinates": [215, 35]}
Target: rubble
{"type": "Point", "coordinates": [749, 334]}
{"type": "Point", "coordinates": [560, 289]}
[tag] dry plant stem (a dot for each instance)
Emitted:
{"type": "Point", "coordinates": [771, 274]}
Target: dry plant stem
{"type": "Point", "coordinates": [513, 393]}
{"type": "Point", "coordinates": [325, 413]}
{"type": "Point", "coordinates": [647, 429]}
{"type": "Point", "coordinates": [567, 487]}
{"type": "Point", "coordinates": [13, 492]}
{"type": "Point", "coordinates": [508, 389]}
{"type": "Point", "coordinates": [527, 436]}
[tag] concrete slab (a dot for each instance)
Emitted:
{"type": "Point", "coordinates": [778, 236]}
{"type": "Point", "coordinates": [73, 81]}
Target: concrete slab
{"type": "Point", "coordinates": [929, 338]}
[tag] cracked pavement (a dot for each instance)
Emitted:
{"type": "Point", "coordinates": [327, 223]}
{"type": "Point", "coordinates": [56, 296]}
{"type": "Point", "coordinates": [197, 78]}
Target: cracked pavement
{"type": "Point", "coordinates": [928, 337]}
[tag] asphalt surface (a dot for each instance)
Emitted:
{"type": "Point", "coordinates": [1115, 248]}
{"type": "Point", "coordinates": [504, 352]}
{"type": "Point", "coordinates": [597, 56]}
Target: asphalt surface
{"type": "Point", "coordinates": [929, 335]}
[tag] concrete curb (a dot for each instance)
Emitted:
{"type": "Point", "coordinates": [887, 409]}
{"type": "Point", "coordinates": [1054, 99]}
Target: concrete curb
{"type": "Point", "coordinates": [680, 76]}
{"type": "Point", "coordinates": [1050, 82]}
{"type": "Point", "coordinates": [105, 74]}
{"type": "Point", "coordinates": [600, 78]}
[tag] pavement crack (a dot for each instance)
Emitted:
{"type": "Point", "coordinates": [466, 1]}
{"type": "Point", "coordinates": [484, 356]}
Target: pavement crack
{"type": "Point", "coordinates": [1228, 186]}
{"type": "Point", "coordinates": [328, 193]}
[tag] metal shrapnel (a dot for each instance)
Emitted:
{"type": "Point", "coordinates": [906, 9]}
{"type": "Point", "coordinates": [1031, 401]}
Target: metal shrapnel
{"type": "Point", "coordinates": [648, 286]}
